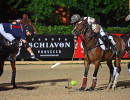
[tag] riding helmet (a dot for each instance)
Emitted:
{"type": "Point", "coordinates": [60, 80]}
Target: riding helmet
{"type": "Point", "coordinates": [75, 18]}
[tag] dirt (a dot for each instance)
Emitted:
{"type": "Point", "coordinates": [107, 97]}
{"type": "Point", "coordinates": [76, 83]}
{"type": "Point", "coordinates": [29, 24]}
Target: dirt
{"type": "Point", "coordinates": [41, 82]}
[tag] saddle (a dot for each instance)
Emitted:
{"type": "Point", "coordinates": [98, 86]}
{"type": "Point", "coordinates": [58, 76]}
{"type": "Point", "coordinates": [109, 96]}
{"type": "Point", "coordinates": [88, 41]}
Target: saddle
{"type": "Point", "coordinates": [5, 47]}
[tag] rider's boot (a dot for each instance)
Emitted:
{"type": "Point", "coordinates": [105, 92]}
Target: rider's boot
{"type": "Point", "coordinates": [12, 49]}
{"type": "Point", "coordinates": [115, 49]}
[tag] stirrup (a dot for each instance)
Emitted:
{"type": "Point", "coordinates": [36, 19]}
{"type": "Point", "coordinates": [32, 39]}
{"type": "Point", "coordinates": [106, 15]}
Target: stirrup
{"type": "Point", "coordinates": [11, 58]}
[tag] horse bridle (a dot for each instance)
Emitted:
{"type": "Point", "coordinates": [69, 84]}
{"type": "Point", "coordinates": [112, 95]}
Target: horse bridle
{"type": "Point", "coordinates": [86, 26]}
{"type": "Point", "coordinates": [83, 36]}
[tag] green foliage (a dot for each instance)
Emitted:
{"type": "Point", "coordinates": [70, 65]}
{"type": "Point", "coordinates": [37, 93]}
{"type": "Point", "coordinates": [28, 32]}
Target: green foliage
{"type": "Point", "coordinates": [55, 29]}
{"type": "Point", "coordinates": [117, 29]}
{"type": "Point", "coordinates": [95, 7]}
{"type": "Point", "coordinates": [42, 10]}
{"type": "Point", "coordinates": [68, 29]}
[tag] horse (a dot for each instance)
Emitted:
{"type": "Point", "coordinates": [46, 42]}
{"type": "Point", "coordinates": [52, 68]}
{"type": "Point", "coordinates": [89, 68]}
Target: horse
{"type": "Point", "coordinates": [93, 53]}
{"type": "Point", "coordinates": [126, 38]}
{"type": "Point", "coordinates": [3, 53]}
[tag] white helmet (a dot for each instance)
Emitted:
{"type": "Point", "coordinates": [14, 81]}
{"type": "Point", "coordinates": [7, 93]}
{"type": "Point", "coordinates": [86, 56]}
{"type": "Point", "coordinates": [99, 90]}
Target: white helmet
{"type": "Point", "coordinates": [75, 18]}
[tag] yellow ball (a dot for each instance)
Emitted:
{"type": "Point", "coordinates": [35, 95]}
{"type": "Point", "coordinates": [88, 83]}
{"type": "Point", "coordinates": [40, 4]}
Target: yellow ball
{"type": "Point", "coordinates": [73, 83]}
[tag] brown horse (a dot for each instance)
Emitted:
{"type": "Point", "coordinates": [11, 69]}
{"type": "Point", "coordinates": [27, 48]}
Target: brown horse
{"type": "Point", "coordinates": [93, 53]}
{"type": "Point", "coordinates": [3, 54]}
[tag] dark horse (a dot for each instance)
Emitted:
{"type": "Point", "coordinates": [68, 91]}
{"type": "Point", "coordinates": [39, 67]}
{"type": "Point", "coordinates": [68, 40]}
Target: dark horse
{"type": "Point", "coordinates": [126, 38]}
{"type": "Point", "coordinates": [4, 53]}
{"type": "Point", "coordinates": [93, 53]}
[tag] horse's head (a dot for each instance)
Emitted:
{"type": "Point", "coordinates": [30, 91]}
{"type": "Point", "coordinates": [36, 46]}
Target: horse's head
{"type": "Point", "coordinates": [81, 27]}
{"type": "Point", "coordinates": [27, 23]}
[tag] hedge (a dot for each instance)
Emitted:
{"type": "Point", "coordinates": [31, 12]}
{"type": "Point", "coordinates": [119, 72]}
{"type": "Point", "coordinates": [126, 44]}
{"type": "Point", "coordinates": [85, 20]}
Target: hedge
{"type": "Point", "coordinates": [68, 29]}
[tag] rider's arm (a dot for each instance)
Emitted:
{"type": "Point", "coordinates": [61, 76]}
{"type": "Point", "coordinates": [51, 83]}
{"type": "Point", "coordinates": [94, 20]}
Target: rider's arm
{"type": "Point", "coordinates": [24, 41]}
{"type": "Point", "coordinates": [97, 28]}
{"type": "Point", "coordinates": [127, 18]}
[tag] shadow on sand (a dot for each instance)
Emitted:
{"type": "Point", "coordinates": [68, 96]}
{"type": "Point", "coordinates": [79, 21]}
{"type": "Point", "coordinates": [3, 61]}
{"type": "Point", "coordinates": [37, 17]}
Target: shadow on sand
{"type": "Point", "coordinates": [23, 85]}
{"type": "Point", "coordinates": [120, 84]}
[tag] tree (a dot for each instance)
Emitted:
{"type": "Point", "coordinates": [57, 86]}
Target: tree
{"type": "Point", "coordinates": [110, 12]}
{"type": "Point", "coordinates": [40, 9]}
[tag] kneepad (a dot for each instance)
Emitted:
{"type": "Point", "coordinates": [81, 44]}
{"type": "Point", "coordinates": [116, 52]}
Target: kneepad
{"type": "Point", "coordinates": [26, 45]}
{"type": "Point", "coordinates": [98, 35]}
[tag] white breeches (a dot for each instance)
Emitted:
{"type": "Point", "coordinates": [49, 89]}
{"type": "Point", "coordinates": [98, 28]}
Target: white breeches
{"type": "Point", "coordinates": [101, 42]}
{"type": "Point", "coordinates": [112, 40]}
{"type": "Point", "coordinates": [8, 36]}
{"type": "Point", "coordinates": [101, 31]}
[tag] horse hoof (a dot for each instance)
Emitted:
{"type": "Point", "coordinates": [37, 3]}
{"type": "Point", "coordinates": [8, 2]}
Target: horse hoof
{"type": "Point", "coordinates": [113, 88]}
{"type": "Point", "coordinates": [90, 89]}
{"type": "Point", "coordinates": [15, 86]}
{"type": "Point", "coordinates": [107, 88]}
{"type": "Point", "coordinates": [82, 89]}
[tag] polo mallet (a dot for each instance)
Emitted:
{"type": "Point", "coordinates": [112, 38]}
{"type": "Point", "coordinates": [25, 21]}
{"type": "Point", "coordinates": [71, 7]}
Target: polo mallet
{"type": "Point", "coordinates": [69, 87]}
{"type": "Point", "coordinates": [52, 66]}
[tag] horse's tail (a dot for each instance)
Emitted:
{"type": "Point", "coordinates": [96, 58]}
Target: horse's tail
{"type": "Point", "coordinates": [121, 45]}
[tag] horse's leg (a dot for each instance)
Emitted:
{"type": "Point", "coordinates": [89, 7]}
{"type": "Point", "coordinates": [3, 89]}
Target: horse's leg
{"type": "Point", "coordinates": [111, 79]}
{"type": "Point", "coordinates": [94, 81]}
{"type": "Point", "coordinates": [84, 84]}
{"type": "Point", "coordinates": [129, 68]}
{"type": "Point", "coordinates": [117, 73]}
{"type": "Point", "coordinates": [13, 74]}
{"type": "Point", "coordinates": [1, 67]}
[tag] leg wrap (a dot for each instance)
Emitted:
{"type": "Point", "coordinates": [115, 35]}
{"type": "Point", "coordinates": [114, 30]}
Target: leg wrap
{"type": "Point", "coordinates": [1, 71]}
{"type": "Point", "coordinates": [94, 82]}
{"type": "Point", "coordinates": [13, 78]}
{"type": "Point", "coordinates": [129, 68]}
{"type": "Point", "coordinates": [115, 80]}
{"type": "Point", "coordinates": [84, 82]}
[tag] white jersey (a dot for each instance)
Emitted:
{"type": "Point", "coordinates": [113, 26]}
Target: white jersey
{"type": "Point", "coordinates": [91, 21]}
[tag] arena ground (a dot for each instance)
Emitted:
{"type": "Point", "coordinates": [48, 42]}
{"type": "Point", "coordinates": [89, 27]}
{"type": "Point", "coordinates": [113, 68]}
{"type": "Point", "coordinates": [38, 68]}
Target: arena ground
{"type": "Point", "coordinates": [38, 81]}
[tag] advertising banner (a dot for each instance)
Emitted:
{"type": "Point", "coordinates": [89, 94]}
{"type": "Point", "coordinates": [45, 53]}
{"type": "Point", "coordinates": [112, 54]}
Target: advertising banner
{"type": "Point", "coordinates": [49, 47]}
{"type": "Point", "coordinates": [79, 53]}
